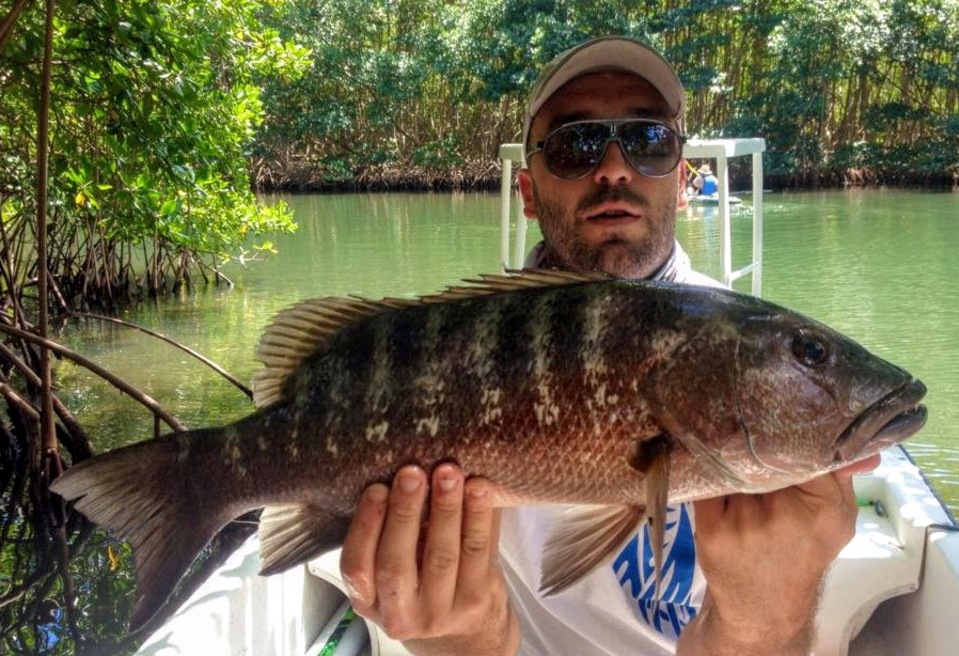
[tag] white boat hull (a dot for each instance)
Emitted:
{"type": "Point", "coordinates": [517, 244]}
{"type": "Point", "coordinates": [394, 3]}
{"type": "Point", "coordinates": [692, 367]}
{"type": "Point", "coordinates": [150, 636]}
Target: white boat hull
{"type": "Point", "coordinates": [712, 200]}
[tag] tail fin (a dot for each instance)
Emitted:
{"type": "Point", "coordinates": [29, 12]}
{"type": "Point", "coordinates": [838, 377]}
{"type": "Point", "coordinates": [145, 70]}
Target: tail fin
{"type": "Point", "coordinates": [139, 493]}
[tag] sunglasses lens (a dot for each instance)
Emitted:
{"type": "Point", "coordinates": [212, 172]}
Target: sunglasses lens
{"type": "Point", "coordinates": [652, 148]}
{"type": "Point", "coordinates": [573, 150]}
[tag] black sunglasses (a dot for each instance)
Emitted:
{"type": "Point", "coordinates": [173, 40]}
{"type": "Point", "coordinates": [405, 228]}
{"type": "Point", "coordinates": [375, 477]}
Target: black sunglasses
{"type": "Point", "coordinates": [574, 150]}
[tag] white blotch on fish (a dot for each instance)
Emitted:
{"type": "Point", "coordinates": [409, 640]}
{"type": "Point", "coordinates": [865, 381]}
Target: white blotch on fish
{"type": "Point", "coordinates": [490, 402]}
{"type": "Point", "coordinates": [428, 425]}
{"type": "Point", "coordinates": [377, 432]}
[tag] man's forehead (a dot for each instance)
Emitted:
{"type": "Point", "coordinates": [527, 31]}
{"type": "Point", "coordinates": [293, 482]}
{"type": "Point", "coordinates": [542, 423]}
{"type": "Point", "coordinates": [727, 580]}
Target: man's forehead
{"type": "Point", "coordinates": [603, 95]}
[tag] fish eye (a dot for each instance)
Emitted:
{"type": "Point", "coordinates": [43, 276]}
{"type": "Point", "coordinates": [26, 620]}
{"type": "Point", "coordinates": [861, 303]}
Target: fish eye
{"type": "Point", "coordinates": [811, 350]}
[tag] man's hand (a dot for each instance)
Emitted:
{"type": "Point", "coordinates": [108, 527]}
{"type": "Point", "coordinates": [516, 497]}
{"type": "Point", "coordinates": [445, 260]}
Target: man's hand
{"type": "Point", "coordinates": [433, 585]}
{"type": "Point", "coordinates": [764, 557]}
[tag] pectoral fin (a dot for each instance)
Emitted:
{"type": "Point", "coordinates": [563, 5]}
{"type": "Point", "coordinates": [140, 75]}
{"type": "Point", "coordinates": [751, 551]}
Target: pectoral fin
{"type": "Point", "coordinates": [290, 535]}
{"type": "Point", "coordinates": [583, 541]}
{"type": "Point", "coordinates": [588, 536]}
{"type": "Point", "coordinates": [657, 464]}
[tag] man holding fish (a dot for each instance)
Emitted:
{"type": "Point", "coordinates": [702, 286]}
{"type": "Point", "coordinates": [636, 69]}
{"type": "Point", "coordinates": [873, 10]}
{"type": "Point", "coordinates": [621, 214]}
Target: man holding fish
{"type": "Point", "coordinates": [574, 386]}
{"type": "Point", "coordinates": [603, 140]}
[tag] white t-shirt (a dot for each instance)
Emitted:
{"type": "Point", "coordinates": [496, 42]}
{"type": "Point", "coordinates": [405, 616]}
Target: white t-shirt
{"type": "Point", "coordinates": [611, 610]}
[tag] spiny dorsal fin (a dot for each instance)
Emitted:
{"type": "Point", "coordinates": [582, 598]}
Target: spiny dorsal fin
{"type": "Point", "coordinates": [307, 327]}
{"type": "Point", "coordinates": [303, 329]}
{"type": "Point", "coordinates": [511, 280]}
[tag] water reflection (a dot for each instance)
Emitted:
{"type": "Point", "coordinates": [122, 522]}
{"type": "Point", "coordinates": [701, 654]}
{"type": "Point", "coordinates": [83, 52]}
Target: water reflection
{"type": "Point", "coordinates": [70, 589]}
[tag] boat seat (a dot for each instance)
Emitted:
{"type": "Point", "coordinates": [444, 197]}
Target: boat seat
{"type": "Point", "coordinates": [327, 569]}
{"type": "Point", "coordinates": [885, 557]}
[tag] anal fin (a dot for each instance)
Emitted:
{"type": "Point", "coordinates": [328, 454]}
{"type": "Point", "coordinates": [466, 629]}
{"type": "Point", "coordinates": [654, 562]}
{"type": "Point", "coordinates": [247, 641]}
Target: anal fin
{"type": "Point", "coordinates": [293, 534]}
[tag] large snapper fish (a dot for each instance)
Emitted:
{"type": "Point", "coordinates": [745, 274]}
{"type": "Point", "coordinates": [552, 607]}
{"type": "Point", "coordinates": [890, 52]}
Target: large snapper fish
{"type": "Point", "coordinates": [560, 388]}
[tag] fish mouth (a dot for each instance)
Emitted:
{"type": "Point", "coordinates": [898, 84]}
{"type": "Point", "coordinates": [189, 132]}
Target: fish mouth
{"type": "Point", "coordinates": [890, 420]}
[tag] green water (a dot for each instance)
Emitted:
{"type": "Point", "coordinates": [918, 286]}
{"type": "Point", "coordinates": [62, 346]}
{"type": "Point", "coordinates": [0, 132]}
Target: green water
{"type": "Point", "coordinates": [879, 266]}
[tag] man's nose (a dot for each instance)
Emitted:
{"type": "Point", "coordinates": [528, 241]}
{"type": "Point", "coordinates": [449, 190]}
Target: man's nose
{"type": "Point", "coordinates": [613, 168]}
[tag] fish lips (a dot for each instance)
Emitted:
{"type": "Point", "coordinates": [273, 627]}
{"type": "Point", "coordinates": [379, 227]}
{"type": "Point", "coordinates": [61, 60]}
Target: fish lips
{"type": "Point", "coordinates": [890, 420]}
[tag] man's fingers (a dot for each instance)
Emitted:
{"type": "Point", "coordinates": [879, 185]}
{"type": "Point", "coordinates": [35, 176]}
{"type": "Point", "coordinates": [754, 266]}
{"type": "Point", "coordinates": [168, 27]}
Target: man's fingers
{"type": "Point", "coordinates": [830, 490]}
{"type": "Point", "coordinates": [395, 565]}
{"type": "Point", "coordinates": [479, 537]}
{"type": "Point", "coordinates": [441, 552]}
{"type": "Point", "coordinates": [861, 467]}
{"type": "Point", "coordinates": [448, 587]}
{"type": "Point", "coordinates": [357, 559]}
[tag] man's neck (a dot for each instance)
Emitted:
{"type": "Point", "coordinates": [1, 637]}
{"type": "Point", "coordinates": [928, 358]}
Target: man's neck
{"type": "Point", "coordinates": [548, 258]}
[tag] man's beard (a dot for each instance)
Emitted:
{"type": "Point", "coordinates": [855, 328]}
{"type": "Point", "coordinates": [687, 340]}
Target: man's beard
{"type": "Point", "coordinates": [565, 248]}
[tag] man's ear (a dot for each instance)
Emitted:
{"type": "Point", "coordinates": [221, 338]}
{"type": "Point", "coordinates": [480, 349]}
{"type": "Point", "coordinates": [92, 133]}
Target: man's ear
{"type": "Point", "coordinates": [525, 181]}
{"type": "Point", "coordinates": [683, 200]}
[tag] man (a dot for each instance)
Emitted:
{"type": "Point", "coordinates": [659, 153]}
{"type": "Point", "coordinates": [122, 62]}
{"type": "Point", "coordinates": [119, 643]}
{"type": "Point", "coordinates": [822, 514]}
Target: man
{"type": "Point", "coordinates": [705, 182]}
{"type": "Point", "coordinates": [604, 180]}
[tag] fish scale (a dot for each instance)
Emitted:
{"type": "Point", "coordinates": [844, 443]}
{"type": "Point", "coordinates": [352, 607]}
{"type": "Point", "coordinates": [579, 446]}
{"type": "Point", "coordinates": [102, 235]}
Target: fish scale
{"type": "Point", "coordinates": [559, 388]}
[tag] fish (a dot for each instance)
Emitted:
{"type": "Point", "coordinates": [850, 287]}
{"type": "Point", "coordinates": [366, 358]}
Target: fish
{"type": "Point", "coordinates": [618, 396]}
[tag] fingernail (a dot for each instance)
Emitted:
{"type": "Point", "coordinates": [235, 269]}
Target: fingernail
{"type": "Point", "coordinates": [409, 482]}
{"type": "Point", "coordinates": [446, 484]}
{"type": "Point", "coordinates": [377, 493]}
{"type": "Point", "coordinates": [478, 492]}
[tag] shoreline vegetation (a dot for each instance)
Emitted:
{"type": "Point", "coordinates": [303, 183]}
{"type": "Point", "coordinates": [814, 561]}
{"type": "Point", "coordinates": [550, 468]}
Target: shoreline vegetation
{"type": "Point", "coordinates": [165, 119]}
{"type": "Point", "coordinates": [484, 176]}
{"type": "Point", "coordinates": [419, 96]}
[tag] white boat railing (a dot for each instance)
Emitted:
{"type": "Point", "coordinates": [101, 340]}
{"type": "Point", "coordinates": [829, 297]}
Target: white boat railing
{"type": "Point", "coordinates": [719, 149]}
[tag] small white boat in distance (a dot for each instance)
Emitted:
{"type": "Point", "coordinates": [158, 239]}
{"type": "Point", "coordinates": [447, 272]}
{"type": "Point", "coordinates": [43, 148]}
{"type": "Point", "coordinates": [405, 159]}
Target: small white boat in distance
{"type": "Point", "coordinates": [711, 199]}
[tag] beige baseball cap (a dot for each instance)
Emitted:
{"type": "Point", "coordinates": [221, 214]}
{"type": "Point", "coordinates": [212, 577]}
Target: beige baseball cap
{"type": "Point", "coordinates": [610, 53]}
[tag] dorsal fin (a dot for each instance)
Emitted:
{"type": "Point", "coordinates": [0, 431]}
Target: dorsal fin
{"type": "Point", "coordinates": [513, 279]}
{"type": "Point", "coordinates": [307, 327]}
{"type": "Point", "coordinates": [301, 330]}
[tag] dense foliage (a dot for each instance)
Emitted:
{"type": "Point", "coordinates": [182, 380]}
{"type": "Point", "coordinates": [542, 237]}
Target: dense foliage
{"type": "Point", "coordinates": [153, 108]}
{"type": "Point", "coordinates": [166, 113]}
{"type": "Point", "coordinates": [422, 92]}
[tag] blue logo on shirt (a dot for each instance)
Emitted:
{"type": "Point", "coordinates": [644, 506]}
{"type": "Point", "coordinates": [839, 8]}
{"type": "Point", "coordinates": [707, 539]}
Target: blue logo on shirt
{"type": "Point", "coordinates": [636, 572]}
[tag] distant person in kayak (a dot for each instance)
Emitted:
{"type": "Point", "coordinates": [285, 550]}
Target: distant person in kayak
{"type": "Point", "coordinates": [705, 182]}
{"type": "Point", "coordinates": [742, 574]}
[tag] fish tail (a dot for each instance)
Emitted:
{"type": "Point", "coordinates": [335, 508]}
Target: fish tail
{"type": "Point", "coordinates": [142, 494]}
